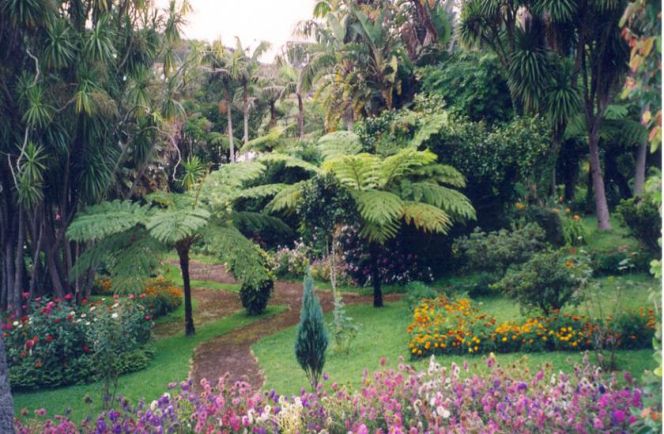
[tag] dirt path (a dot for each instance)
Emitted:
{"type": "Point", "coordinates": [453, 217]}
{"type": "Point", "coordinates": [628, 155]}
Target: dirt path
{"type": "Point", "coordinates": [231, 353]}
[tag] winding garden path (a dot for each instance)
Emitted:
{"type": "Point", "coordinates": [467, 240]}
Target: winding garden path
{"type": "Point", "coordinates": [231, 353]}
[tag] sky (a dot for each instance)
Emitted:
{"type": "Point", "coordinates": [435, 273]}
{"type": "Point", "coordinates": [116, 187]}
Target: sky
{"type": "Point", "coordinates": [251, 20]}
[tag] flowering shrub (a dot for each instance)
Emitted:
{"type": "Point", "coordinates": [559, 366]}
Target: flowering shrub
{"type": "Point", "coordinates": [290, 262]}
{"type": "Point", "coordinates": [55, 344]}
{"type": "Point", "coordinates": [396, 263]}
{"type": "Point", "coordinates": [445, 326]}
{"type": "Point", "coordinates": [160, 297]}
{"type": "Point", "coordinates": [439, 399]}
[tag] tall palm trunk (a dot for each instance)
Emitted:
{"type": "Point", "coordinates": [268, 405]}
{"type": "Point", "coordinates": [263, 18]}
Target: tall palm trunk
{"type": "Point", "coordinates": [245, 113]}
{"type": "Point", "coordinates": [273, 115]}
{"type": "Point", "coordinates": [183, 253]}
{"type": "Point", "coordinates": [300, 115]}
{"type": "Point", "coordinates": [229, 117]}
{"type": "Point", "coordinates": [6, 401]}
{"type": "Point", "coordinates": [375, 275]}
{"type": "Point", "coordinates": [601, 205]}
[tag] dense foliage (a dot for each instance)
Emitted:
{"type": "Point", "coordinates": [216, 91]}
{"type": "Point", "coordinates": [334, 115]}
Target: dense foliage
{"type": "Point", "coordinates": [57, 343]}
{"type": "Point", "coordinates": [311, 341]}
{"type": "Point", "coordinates": [642, 217]}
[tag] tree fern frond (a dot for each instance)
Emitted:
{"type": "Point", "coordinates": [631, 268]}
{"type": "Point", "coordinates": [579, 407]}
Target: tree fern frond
{"type": "Point", "coordinates": [339, 143]}
{"type": "Point", "coordinates": [260, 191]}
{"type": "Point", "coordinates": [173, 225]}
{"type": "Point", "coordinates": [454, 203]}
{"type": "Point", "coordinates": [379, 233]}
{"type": "Point", "coordinates": [442, 174]}
{"type": "Point", "coordinates": [379, 207]}
{"type": "Point", "coordinates": [359, 172]}
{"type": "Point", "coordinates": [425, 217]}
{"type": "Point", "coordinates": [395, 166]}
{"type": "Point", "coordinates": [107, 218]}
{"type": "Point", "coordinates": [289, 161]}
{"type": "Point", "coordinates": [287, 199]}
{"type": "Point", "coordinates": [431, 125]}
{"type": "Point", "coordinates": [258, 222]}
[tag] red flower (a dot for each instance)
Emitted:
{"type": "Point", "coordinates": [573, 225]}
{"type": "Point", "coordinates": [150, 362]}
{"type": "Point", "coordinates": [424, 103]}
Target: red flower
{"type": "Point", "coordinates": [69, 296]}
{"type": "Point", "coordinates": [49, 338]}
{"type": "Point", "coordinates": [26, 295]}
{"type": "Point", "coordinates": [147, 317]}
{"type": "Point", "coordinates": [84, 301]}
{"type": "Point", "coordinates": [85, 348]}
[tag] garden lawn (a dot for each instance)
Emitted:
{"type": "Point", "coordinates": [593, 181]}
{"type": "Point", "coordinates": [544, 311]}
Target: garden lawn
{"type": "Point", "coordinates": [171, 363]}
{"type": "Point", "coordinates": [172, 273]}
{"type": "Point", "coordinates": [383, 334]}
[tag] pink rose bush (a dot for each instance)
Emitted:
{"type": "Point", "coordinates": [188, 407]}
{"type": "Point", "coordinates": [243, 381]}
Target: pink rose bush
{"type": "Point", "coordinates": [437, 400]}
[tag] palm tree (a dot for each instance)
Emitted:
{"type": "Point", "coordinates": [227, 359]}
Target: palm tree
{"type": "Point", "coordinates": [560, 58]}
{"type": "Point", "coordinates": [292, 64]}
{"type": "Point", "coordinates": [222, 62]}
{"type": "Point", "coordinates": [130, 238]}
{"type": "Point", "coordinates": [84, 103]}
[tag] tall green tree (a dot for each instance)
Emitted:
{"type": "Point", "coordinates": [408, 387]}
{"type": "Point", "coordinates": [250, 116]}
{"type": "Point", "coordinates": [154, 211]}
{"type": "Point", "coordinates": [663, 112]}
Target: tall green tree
{"type": "Point", "coordinates": [88, 91]}
{"type": "Point", "coordinates": [561, 57]}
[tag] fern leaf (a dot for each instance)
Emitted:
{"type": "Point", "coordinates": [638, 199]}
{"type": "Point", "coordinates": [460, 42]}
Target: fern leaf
{"type": "Point", "coordinates": [172, 225]}
{"type": "Point", "coordinates": [425, 217]}
{"type": "Point", "coordinates": [287, 199]}
{"type": "Point", "coordinates": [105, 219]}
{"type": "Point", "coordinates": [453, 202]}
{"type": "Point", "coordinates": [339, 143]}
{"type": "Point", "coordinates": [289, 161]}
{"type": "Point", "coordinates": [396, 166]}
{"type": "Point", "coordinates": [379, 207]}
{"type": "Point", "coordinates": [257, 222]}
{"type": "Point", "coordinates": [260, 191]}
{"type": "Point", "coordinates": [357, 172]}
{"type": "Point", "coordinates": [431, 125]}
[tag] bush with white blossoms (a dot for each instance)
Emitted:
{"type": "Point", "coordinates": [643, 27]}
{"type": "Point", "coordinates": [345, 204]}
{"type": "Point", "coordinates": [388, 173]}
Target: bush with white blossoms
{"type": "Point", "coordinates": [486, 399]}
{"type": "Point", "coordinates": [56, 342]}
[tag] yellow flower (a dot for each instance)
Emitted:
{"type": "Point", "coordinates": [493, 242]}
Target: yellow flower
{"type": "Point", "coordinates": [504, 339]}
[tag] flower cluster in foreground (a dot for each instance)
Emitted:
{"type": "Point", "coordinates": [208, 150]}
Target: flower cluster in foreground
{"type": "Point", "coordinates": [437, 400]}
{"type": "Point", "coordinates": [446, 326]}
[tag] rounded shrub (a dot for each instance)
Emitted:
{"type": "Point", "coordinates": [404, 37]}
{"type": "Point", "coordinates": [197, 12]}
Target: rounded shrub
{"type": "Point", "coordinates": [255, 296]}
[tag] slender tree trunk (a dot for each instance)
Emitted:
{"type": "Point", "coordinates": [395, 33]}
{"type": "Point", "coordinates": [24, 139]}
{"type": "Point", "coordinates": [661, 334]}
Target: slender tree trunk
{"type": "Point", "coordinates": [375, 275]}
{"type": "Point", "coordinates": [19, 264]}
{"type": "Point", "coordinates": [300, 115]}
{"type": "Point", "coordinates": [601, 205]}
{"type": "Point", "coordinates": [245, 112]}
{"type": "Point", "coordinates": [640, 169]}
{"type": "Point", "coordinates": [183, 254]}
{"type": "Point", "coordinates": [349, 118]}
{"type": "Point", "coordinates": [229, 117]}
{"type": "Point", "coordinates": [6, 401]}
{"type": "Point", "coordinates": [273, 115]}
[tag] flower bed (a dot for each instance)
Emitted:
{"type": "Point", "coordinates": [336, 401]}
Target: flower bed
{"type": "Point", "coordinates": [55, 345]}
{"type": "Point", "coordinates": [437, 400]}
{"type": "Point", "coordinates": [160, 296]}
{"type": "Point", "coordinates": [445, 326]}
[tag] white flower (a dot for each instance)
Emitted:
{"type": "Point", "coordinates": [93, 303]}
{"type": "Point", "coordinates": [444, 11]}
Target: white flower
{"type": "Point", "coordinates": [442, 412]}
{"type": "Point", "coordinates": [114, 315]}
{"type": "Point", "coordinates": [115, 305]}
{"type": "Point", "coordinates": [83, 315]}
{"type": "Point", "coordinates": [87, 323]}
{"type": "Point", "coordinates": [15, 323]}
{"type": "Point", "coordinates": [93, 308]}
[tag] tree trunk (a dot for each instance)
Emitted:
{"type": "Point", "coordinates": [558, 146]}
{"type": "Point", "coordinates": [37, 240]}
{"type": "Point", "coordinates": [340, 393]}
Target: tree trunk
{"type": "Point", "coordinates": [300, 116]}
{"type": "Point", "coordinates": [19, 265]}
{"type": "Point", "coordinates": [229, 117]}
{"type": "Point", "coordinates": [273, 115]}
{"type": "Point", "coordinates": [601, 205]}
{"type": "Point", "coordinates": [6, 401]}
{"type": "Point", "coordinates": [375, 276]}
{"type": "Point", "coordinates": [183, 254]}
{"type": "Point", "coordinates": [640, 169]}
{"type": "Point", "coordinates": [245, 113]}
{"type": "Point", "coordinates": [349, 118]}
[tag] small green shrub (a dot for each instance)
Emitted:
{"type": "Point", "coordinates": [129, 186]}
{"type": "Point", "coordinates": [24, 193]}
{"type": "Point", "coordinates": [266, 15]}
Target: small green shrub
{"type": "Point", "coordinates": [160, 297]}
{"type": "Point", "coordinates": [418, 291]}
{"type": "Point", "coordinates": [641, 216]}
{"type": "Point", "coordinates": [311, 341]}
{"type": "Point", "coordinates": [548, 219]}
{"type": "Point", "coordinates": [495, 251]}
{"type": "Point", "coordinates": [255, 296]}
{"type": "Point", "coordinates": [344, 330]}
{"type": "Point", "coordinates": [547, 281]}
{"type": "Point", "coordinates": [618, 261]}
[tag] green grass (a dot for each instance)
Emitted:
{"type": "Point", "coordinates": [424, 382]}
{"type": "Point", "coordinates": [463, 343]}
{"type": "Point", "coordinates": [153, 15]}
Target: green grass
{"type": "Point", "coordinates": [606, 241]}
{"type": "Point", "coordinates": [171, 363]}
{"type": "Point", "coordinates": [383, 334]}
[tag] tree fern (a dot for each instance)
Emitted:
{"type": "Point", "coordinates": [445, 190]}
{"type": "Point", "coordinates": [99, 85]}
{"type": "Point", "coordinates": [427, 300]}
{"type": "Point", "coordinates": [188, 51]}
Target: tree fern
{"type": "Point", "coordinates": [105, 219]}
{"type": "Point", "coordinates": [287, 199]}
{"type": "Point", "coordinates": [173, 225]}
{"type": "Point", "coordinates": [379, 207]}
{"type": "Point", "coordinates": [339, 143]}
{"type": "Point", "coordinates": [402, 163]}
{"type": "Point", "coordinates": [425, 217]}
{"type": "Point", "coordinates": [358, 172]}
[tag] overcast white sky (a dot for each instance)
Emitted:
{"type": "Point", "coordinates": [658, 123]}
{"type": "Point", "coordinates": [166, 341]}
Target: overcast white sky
{"type": "Point", "coordinates": [251, 20]}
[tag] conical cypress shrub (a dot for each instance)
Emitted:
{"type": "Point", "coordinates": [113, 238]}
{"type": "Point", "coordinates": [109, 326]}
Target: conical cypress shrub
{"type": "Point", "coordinates": [311, 341]}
